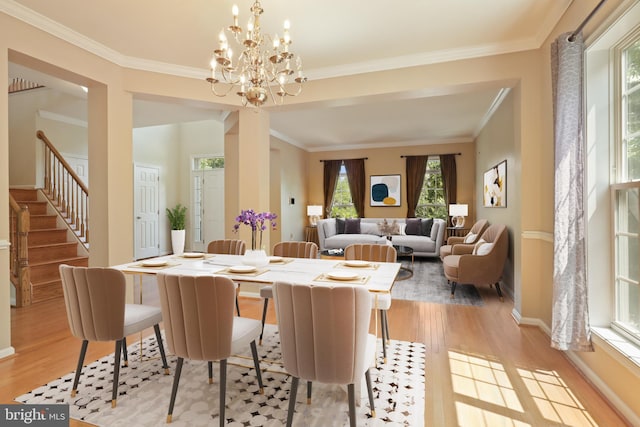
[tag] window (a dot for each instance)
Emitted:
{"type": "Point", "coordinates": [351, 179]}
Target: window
{"type": "Point", "coordinates": [342, 203]}
{"type": "Point", "coordinates": [626, 204]}
{"type": "Point", "coordinates": [201, 164]}
{"type": "Point", "coordinates": [431, 203]}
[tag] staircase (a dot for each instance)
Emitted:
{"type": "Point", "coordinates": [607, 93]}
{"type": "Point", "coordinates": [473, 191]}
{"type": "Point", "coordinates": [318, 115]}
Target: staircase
{"type": "Point", "coordinates": [49, 245]}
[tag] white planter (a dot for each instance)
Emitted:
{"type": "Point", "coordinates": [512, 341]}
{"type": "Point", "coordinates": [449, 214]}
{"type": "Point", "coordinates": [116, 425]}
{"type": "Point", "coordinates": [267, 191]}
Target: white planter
{"type": "Point", "coordinates": [177, 241]}
{"type": "Point", "coordinates": [256, 258]}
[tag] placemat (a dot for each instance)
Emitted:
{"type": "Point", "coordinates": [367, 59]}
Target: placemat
{"type": "Point", "coordinates": [372, 266]}
{"type": "Point", "coordinates": [227, 271]}
{"type": "Point", "coordinates": [359, 281]}
{"type": "Point", "coordinates": [284, 261]}
{"type": "Point", "coordinates": [155, 267]}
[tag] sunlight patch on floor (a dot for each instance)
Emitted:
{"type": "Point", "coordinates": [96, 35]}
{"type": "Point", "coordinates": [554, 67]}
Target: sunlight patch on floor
{"type": "Point", "coordinates": [485, 395]}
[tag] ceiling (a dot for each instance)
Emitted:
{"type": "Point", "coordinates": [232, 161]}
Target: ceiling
{"type": "Point", "coordinates": [333, 37]}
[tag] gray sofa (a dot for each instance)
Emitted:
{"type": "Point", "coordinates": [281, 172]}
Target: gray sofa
{"type": "Point", "coordinates": [426, 243]}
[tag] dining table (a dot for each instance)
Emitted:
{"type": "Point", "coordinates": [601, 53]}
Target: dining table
{"type": "Point", "coordinates": [377, 277]}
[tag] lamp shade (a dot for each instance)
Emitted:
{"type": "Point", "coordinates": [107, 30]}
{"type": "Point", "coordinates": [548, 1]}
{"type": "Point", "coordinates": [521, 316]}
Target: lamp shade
{"type": "Point", "coordinates": [314, 210]}
{"type": "Point", "coordinates": [458, 210]}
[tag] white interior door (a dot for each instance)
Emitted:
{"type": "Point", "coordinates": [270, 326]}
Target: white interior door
{"type": "Point", "coordinates": [147, 215]}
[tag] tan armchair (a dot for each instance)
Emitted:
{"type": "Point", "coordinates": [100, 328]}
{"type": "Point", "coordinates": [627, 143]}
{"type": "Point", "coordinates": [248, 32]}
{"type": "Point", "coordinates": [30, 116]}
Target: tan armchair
{"type": "Point", "coordinates": [473, 236]}
{"type": "Point", "coordinates": [479, 264]}
{"type": "Point", "coordinates": [289, 250]}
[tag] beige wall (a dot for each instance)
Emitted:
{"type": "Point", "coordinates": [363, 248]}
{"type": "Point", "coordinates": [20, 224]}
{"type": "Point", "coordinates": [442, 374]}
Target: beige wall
{"type": "Point", "coordinates": [386, 161]}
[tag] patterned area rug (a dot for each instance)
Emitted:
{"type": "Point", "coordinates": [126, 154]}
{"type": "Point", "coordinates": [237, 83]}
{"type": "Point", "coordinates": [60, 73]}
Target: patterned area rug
{"type": "Point", "coordinates": [428, 284]}
{"type": "Point", "coordinates": [144, 391]}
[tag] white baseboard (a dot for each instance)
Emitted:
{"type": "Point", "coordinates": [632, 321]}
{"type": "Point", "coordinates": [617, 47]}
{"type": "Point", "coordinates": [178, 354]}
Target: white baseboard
{"type": "Point", "coordinates": [6, 352]}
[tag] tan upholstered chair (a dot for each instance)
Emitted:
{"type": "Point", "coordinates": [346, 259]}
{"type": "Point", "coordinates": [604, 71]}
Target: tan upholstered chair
{"type": "Point", "coordinates": [227, 246]}
{"type": "Point", "coordinates": [199, 324]}
{"type": "Point", "coordinates": [479, 264]}
{"type": "Point", "coordinates": [381, 301]}
{"type": "Point", "coordinates": [324, 337]}
{"type": "Point", "coordinates": [95, 302]}
{"type": "Point", "coordinates": [289, 250]}
{"type": "Point", "coordinates": [470, 238]}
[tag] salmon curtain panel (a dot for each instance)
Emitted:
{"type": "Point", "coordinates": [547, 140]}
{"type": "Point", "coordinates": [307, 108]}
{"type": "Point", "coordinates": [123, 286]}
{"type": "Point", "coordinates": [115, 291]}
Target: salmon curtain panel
{"type": "Point", "coordinates": [570, 317]}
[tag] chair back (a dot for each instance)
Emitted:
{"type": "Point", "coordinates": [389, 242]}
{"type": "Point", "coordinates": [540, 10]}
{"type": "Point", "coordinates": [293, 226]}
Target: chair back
{"type": "Point", "coordinates": [478, 228]}
{"type": "Point", "coordinates": [296, 249]}
{"type": "Point", "coordinates": [198, 315]}
{"type": "Point", "coordinates": [370, 252]}
{"type": "Point", "coordinates": [323, 331]}
{"type": "Point", "coordinates": [227, 246]}
{"type": "Point", "coordinates": [95, 301]}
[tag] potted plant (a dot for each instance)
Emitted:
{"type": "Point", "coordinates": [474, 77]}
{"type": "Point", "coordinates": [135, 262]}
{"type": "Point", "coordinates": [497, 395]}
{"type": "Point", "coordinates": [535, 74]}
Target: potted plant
{"type": "Point", "coordinates": [177, 217]}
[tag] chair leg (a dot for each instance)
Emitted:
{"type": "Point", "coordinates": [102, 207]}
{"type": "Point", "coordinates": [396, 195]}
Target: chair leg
{"type": "Point", "coordinates": [384, 338]}
{"type": "Point", "coordinates": [352, 405]}
{"type": "Point", "coordinates": [292, 400]}
{"type": "Point", "coordinates": [124, 352]}
{"type": "Point", "coordinates": [237, 306]}
{"type": "Point", "coordinates": [386, 324]}
{"type": "Point", "coordinates": [256, 363]}
{"type": "Point", "coordinates": [83, 352]}
{"type": "Point", "coordinates": [156, 328]}
{"type": "Point", "coordinates": [264, 317]}
{"type": "Point", "coordinates": [309, 392]}
{"type": "Point", "coordinates": [499, 291]}
{"type": "Point", "coordinates": [116, 373]}
{"type": "Point", "coordinates": [174, 388]}
{"type": "Point", "coordinates": [210, 367]}
{"type": "Point", "coordinates": [223, 388]}
{"type": "Point", "coordinates": [367, 376]}
{"type": "Point", "coordinates": [453, 288]}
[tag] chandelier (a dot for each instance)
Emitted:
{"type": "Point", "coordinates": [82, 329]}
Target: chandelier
{"type": "Point", "coordinates": [263, 68]}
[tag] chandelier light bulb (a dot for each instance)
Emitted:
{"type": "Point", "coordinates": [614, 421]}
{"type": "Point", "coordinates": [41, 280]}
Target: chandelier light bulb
{"type": "Point", "coordinates": [276, 42]}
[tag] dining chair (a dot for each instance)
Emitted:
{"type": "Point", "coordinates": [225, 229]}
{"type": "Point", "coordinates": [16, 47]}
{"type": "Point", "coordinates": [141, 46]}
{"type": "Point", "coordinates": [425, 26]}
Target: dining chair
{"type": "Point", "coordinates": [381, 301]}
{"type": "Point", "coordinates": [290, 250]}
{"type": "Point", "coordinates": [199, 324]}
{"type": "Point", "coordinates": [228, 247]}
{"type": "Point", "coordinates": [96, 310]}
{"type": "Point", "coordinates": [324, 337]}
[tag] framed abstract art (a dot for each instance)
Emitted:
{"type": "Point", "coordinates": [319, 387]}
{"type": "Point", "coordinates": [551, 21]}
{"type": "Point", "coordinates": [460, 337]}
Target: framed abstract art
{"type": "Point", "coordinates": [385, 190]}
{"type": "Point", "coordinates": [495, 186]}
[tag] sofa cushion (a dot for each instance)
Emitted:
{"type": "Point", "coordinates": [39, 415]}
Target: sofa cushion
{"type": "Point", "coordinates": [340, 225]}
{"type": "Point", "coordinates": [427, 225]}
{"type": "Point", "coordinates": [329, 228]}
{"type": "Point", "coordinates": [344, 240]}
{"type": "Point", "coordinates": [352, 226]}
{"type": "Point", "coordinates": [414, 226]}
{"type": "Point", "coordinates": [369, 228]}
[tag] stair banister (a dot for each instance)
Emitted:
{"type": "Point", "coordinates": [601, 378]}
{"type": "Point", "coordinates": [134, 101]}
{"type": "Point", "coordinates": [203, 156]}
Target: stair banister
{"type": "Point", "coordinates": [19, 259]}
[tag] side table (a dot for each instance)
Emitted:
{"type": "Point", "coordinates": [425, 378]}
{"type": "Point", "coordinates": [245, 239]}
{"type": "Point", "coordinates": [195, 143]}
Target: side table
{"type": "Point", "coordinates": [311, 234]}
{"type": "Point", "coordinates": [456, 231]}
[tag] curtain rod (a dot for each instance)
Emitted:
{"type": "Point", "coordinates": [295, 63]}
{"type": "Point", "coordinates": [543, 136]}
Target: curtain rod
{"type": "Point", "coordinates": [443, 154]}
{"type": "Point", "coordinates": [330, 160]}
{"type": "Point", "coordinates": [573, 35]}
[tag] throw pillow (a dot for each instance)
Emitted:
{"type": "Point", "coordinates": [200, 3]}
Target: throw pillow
{"type": "Point", "coordinates": [469, 238]}
{"type": "Point", "coordinates": [476, 247]}
{"type": "Point", "coordinates": [339, 226]}
{"type": "Point", "coordinates": [484, 249]}
{"type": "Point", "coordinates": [427, 223]}
{"type": "Point", "coordinates": [384, 228]}
{"type": "Point", "coordinates": [400, 230]}
{"type": "Point", "coordinates": [414, 226]}
{"type": "Point", "coordinates": [352, 226]}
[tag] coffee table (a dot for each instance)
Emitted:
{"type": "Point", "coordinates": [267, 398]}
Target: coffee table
{"type": "Point", "coordinates": [332, 254]}
{"type": "Point", "coordinates": [405, 272]}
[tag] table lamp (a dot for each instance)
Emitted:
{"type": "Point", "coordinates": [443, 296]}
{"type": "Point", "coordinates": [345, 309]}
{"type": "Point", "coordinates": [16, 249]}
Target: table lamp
{"type": "Point", "coordinates": [457, 213]}
{"type": "Point", "coordinates": [314, 212]}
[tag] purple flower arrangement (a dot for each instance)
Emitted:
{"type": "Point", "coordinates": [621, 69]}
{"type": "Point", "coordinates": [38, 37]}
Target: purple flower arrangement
{"type": "Point", "coordinates": [257, 221]}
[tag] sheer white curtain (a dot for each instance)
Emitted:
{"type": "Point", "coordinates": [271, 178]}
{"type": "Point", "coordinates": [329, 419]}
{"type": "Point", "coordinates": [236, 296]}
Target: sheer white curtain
{"type": "Point", "coordinates": [570, 317]}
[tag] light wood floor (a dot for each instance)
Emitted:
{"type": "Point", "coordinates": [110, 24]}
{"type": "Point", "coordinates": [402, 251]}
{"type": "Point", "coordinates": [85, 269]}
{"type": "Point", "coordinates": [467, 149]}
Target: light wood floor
{"type": "Point", "coordinates": [481, 368]}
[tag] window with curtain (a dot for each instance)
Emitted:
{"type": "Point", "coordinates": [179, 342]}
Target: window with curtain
{"type": "Point", "coordinates": [626, 190]}
{"type": "Point", "coordinates": [342, 204]}
{"type": "Point", "coordinates": [199, 166]}
{"type": "Point", "coordinates": [431, 203]}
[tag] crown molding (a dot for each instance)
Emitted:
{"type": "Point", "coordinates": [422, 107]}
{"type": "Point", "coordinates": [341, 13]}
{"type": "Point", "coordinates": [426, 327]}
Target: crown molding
{"type": "Point", "coordinates": [388, 144]}
{"type": "Point", "coordinates": [502, 94]}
